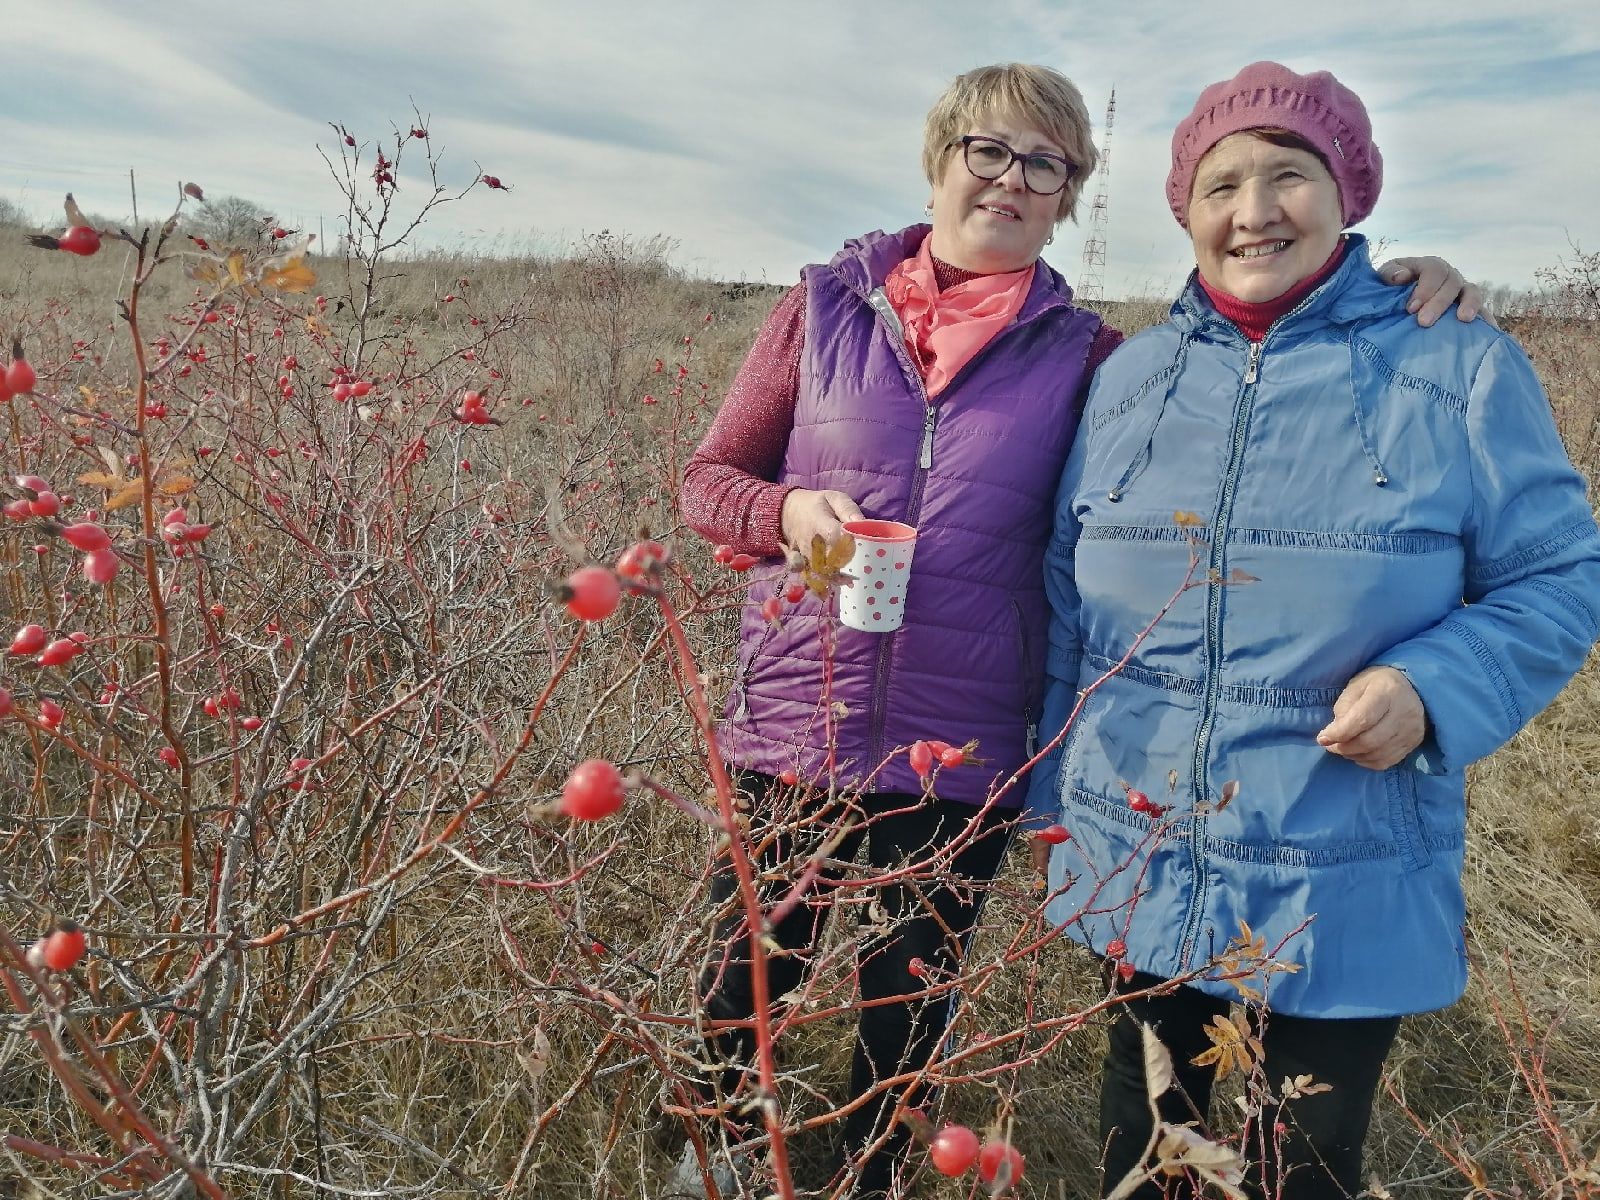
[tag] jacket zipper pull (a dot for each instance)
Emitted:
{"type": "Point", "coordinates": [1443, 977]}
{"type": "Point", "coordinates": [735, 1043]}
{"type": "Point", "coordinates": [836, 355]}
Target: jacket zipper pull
{"type": "Point", "coordinates": [1255, 361]}
{"type": "Point", "coordinates": [925, 459]}
{"type": "Point", "coordinates": [1033, 738]}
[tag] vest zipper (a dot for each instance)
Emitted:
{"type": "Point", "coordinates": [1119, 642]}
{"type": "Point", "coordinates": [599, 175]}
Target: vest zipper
{"type": "Point", "coordinates": [931, 418]}
{"type": "Point", "coordinates": [880, 670]}
{"type": "Point", "coordinates": [879, 303]}
{"type": "Point", "coordinates": [1030, 690]}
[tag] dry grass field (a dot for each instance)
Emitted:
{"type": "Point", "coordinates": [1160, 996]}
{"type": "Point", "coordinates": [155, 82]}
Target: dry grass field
{"type": "Point", "coordinates": [300, 793]}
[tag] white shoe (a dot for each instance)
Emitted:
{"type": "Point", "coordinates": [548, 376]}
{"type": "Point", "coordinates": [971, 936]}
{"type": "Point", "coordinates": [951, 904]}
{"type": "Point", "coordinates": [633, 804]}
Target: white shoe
{"type": "Point", "coordinates": [733, 1180]}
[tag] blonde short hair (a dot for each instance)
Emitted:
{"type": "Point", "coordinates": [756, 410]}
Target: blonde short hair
{"type": "Point", "coordinates": [1036, 96]}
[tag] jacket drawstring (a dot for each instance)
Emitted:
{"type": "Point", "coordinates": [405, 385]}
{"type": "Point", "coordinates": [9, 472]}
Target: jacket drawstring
{"type": "Point", "coordinates": [1380, 477]}
{"type": "Point", "coordinates": [1142, 456]}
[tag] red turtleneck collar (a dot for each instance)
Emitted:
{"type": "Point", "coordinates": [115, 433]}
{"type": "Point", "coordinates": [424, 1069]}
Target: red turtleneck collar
{"type": "Point", "coordinates": [1254, 320]}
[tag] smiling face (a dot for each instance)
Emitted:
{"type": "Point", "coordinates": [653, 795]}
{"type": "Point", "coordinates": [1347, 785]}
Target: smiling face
{"type": "Point", "coordinates": [1262, 217]}
{"type": "Point", "coordinates": [993, 225]}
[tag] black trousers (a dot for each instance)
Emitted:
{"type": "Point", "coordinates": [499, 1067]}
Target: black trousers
{"type": "Point", "coordinates": [1308, 1148]}
{"type": "Point", "coordinates": [925, 918]}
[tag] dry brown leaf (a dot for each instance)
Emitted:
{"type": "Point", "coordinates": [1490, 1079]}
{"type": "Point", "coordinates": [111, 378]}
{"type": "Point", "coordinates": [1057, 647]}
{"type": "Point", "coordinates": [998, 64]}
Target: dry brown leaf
{"type": "Point", "coordinates": [1232, 1046]}
{"type": "Point", "coordinates": [1158, 1076]}
{"type": "Point", "coordinates": [100, 479]}
{"type": "Point", "coordinates": [204, 271]}
{"type": "Point", "coordinates": [130, 494]}
{"type": "Point", "coordinates": [173, 485]}
{"type": "Point", "coordinates": [294, 276]}
{"type": "Point", "coordinates": [1230, 792]}
{"type": "Point", "coordinates": [236, 267]}
{"type": "Point", "coordinates": [822, 566]}
{"type": "Point", "coordinates": [1188, 519]}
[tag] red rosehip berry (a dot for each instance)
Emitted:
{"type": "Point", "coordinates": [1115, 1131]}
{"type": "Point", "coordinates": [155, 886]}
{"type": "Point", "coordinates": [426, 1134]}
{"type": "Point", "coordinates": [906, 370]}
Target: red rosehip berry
{"type": "Point", "coordinates": [1053, 835]}
{"type": "Point", "coordinates": [1116, 948]}
{"type": "Point", "coordinates": [86, 536]}
{"type": "Point", "coordinates": [100, 566]}
{"type": "Point", "coordinates": [742, 562]}
{"type": "Point", "coordinates": [1138, 801]}
{"type": "Point", "coordinates": [45, 504]}
{"type": "Point", "coordinates": [168, 757]}
{"type": "Point", "coordinates": [50, 714]}
{"type": "Point", "coordinates": [62, 650]}
{"type": "Point", "coordinates": [641, 560]}
{"type": "Point", "coordinates": [30, 639]}
{"type": "Point", "coordinates": [788, 777]}
{"type": "Point", "coordinates": [795, 593]}
{"type": "Point", "coordinates": [952, 756]}
{"type": "Point", "coordinates": [953, 1150]}
{"type": "Point", "coordinates": [591, 593]}
{"type": "Point", "coordinates": [593, 790]}
{"type": "Point", "coordinates": [999, 1164]}
{"type": "Point", "coordinates": [723, 555]}
{"type": "Point", "coordinates": [250, 723]}
{"type": "Point", "coordinates": [20, 376]}
{"type": "Point", "coordinates": [63, 949]}
{"type": "Point", "coordinates": [1125, 971]}
{"type": "Point", "coordinates": [921, 758]}
{"type": "Point", "coordinates": [771, 609]}
{"type": "Point", "coordinates": [80, 240]}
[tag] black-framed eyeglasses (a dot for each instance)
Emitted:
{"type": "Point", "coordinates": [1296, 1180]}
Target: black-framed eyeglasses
{"type": "Point", "coordinates": [989, 158]}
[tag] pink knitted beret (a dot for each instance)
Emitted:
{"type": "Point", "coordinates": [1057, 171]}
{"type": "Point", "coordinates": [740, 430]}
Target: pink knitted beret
{"type": "Point", "coordinates": [1268, 95]}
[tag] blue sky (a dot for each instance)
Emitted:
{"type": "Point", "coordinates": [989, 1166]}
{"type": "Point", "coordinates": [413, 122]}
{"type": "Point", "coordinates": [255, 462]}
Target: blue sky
{"type": "Point", "coordinates": [758, 136]}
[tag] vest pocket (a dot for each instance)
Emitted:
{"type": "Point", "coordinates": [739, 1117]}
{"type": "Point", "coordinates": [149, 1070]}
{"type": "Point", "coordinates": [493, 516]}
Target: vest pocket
{"type": "Point", "coordinates": [1405, 818]}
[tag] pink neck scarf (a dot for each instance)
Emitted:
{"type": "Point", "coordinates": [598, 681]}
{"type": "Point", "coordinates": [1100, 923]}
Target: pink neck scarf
{"type": "Point", "coordinates": [944, 330]}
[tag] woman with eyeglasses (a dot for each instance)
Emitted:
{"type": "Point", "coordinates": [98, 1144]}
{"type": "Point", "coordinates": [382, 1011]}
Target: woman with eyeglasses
{"type": "Point", "coordinates": [934, 377]}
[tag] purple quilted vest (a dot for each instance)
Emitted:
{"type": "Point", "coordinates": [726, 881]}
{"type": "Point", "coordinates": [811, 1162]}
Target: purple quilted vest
{"type": "Point", "coordinates": [976, 473]}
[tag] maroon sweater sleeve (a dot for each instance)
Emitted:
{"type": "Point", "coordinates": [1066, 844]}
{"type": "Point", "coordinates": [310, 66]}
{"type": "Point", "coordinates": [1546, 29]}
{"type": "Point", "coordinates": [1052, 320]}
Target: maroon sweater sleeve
{"type": "Point", "coordinates": [1106, 339]}
{"type": "Point", "coordinates": [729, 494]}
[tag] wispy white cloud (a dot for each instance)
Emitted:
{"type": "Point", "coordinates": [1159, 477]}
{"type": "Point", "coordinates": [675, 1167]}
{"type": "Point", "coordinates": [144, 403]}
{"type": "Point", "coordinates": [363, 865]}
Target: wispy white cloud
{"type": "Point", "coordinates": [758, 136]}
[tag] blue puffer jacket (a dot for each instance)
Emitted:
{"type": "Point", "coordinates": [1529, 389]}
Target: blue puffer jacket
{"type": "Point", "coordinates": [1400, 496]}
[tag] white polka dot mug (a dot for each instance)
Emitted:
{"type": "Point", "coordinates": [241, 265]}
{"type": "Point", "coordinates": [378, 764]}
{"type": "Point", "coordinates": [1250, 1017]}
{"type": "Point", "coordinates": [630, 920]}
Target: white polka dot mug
{"type": "Point", "coordinates": [873, 597]}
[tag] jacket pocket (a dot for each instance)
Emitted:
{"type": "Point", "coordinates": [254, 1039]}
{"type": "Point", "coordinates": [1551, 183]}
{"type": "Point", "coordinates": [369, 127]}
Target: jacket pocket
{"type": "Point", "coordinates": [1405, 818]}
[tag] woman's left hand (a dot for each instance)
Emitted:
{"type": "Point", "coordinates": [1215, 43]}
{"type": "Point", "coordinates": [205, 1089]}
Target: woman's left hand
{"type": "Point", "coordinates": [1438, 286]}
{"type": "Point", "coordinates": [1377, 720]}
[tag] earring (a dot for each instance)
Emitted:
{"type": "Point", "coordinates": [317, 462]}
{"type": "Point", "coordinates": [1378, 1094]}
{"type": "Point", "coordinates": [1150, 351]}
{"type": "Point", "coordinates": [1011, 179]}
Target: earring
{"type": "Point", "coordinates": [1050, 241]}
{"type": "Point", "coordinates": [927, 209]}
